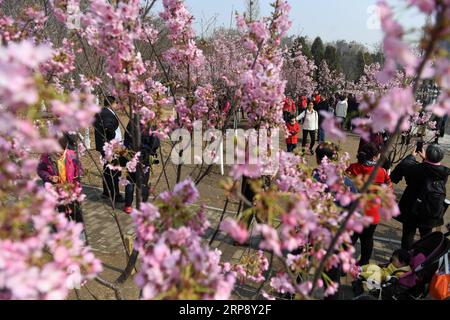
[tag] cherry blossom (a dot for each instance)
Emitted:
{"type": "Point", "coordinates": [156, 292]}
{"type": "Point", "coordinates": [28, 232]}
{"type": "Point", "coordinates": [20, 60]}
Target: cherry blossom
{"type": "Point", "coordinates": [232, 228]}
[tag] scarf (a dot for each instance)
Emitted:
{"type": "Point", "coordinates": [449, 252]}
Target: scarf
{"type": "Point", "coordinates": [370, 163]}
{"type": "Point", "coordinates": [61, 164]}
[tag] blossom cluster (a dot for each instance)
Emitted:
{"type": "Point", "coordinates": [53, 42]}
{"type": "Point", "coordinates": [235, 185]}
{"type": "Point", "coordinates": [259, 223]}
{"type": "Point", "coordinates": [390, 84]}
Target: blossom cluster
{"type": "Point", "coordinates": [298, 72]}
{"type": "Point", "coordinates": [41, 253]}
{"type": "Point", "coordinates": [251, 267]}
{"type": "Point", "coordinates": [185, 58]}
{"type": "Point", "coordinates": [262, 86]}
{"type": "Point", "coordinates": [175, 263]}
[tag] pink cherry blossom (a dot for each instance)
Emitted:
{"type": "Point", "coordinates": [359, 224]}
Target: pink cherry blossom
{"type": "Point", "coordinates": [426, 6]}
{"type": "Point", "coordinates": [330, 126]}
{"type": "Point", "coordinates": [234, 230]}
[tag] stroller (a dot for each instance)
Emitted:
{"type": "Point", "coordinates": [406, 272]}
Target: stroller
{"type": "Point", "coordinates": [426, 258]}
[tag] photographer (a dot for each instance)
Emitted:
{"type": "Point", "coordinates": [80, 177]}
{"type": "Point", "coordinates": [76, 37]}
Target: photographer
{"type": "Point", "coordinates": [148, 148]}
{"type": "Point", "coordinates": [422, 204]}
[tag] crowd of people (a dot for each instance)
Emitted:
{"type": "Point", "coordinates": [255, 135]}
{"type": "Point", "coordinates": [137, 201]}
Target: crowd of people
{"type": "Point", "coordinates": [422, 205]}
{"type": "Point", "coordinates": [306, 116]}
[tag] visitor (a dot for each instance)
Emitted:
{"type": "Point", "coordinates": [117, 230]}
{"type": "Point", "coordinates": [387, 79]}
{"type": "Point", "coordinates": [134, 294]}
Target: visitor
{"type": "Point", "coordinates": [63, 170]}
{"type": "Point", "coordinates": [398, 265]}
{"type": "Point", "coordinates": [375, 138]}
{"type": "Point", "coordinates": [325, 107]}
{"type": "Point", "coordinates": [288, 108]}
{"type": "Point", "coordinates": [341, 110]}
{"type": "Point", "coordinates": [422, 203]}
{"type": "Point", "coordinates": [352, 112]}
{"type": "Point", "coordinates": [316, 98]}
{"type": "Point", "coordinates": [330, 151]}
{"type": "Point", "coordinates": [302, 105]}
{"type": "Point", "coordinates": [371, 276]}
{"type": "Point", "coordinates": [441, 123]}
{"type": "Point", "coordinates": [293, 130]}
{"type": "Point", "coordinates": [367, 159]}
{"type": "Point", "coordinates": [310, 119]}
{"type": "Point", "coordinates": [149, 146]}
{"type": "Point", "coordinates": [106, 129]}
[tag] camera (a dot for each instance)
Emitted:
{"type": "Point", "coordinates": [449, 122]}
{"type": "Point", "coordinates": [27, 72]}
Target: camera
{"type": "Point", "coordinates": [419, 146]}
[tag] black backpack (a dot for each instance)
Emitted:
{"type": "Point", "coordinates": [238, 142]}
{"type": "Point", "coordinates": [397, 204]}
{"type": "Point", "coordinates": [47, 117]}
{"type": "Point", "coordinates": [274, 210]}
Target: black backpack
{"type": "Point", "coordinates": [431, 201]}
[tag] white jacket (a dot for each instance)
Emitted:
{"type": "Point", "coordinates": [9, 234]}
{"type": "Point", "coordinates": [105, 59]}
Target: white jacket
{"type": "Point", "coordinates": [311, 121]}
{"type": "Point", "coordinates": [341, 109]}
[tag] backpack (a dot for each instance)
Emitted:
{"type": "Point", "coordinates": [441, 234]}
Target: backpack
{"type": "Point", "coordinates": [431, 200]}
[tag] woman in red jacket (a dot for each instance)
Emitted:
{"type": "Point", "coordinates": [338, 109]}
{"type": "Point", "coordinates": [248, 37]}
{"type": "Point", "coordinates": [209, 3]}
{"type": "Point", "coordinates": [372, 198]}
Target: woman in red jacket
{"type": "Point", "coordinates": [288, 108]}
{"type": "Point", "coordinates": [293, 131]}
{"type": "Point", "coordinates": [367, 158]}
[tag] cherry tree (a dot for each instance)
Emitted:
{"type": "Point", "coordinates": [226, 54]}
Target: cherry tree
{"type": "Point", "coordinates": [298, 72]}
{"type": "Point", "coordinates": [330, 82]}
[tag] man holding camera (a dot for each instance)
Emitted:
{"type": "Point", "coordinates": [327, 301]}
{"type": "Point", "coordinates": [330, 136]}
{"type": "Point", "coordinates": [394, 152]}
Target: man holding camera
{"type": "Point", "coordinates": [148, 154]}
{"type": "Point", "coordinates": [423, 203]}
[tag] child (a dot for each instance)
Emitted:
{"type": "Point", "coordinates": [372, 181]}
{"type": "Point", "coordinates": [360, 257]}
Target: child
{"type": "Point", "coordinates": [398, 266]}
{"type": "Point", "coordinates": [62, 169]}
{"type": "Point", "coordinates": [293, 130]}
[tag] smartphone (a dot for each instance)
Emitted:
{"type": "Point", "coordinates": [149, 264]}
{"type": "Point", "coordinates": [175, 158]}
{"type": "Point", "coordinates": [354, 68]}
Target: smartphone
{"type": "Point", "coordinates": [419, 147]}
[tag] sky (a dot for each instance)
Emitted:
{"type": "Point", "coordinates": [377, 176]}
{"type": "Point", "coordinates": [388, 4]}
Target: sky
{"type": "Point", "coordinates": [330, 19]}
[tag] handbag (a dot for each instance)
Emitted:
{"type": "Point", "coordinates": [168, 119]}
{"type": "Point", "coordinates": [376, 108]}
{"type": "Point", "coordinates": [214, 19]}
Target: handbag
{"type": "Point", "coordinates": [440, 283]}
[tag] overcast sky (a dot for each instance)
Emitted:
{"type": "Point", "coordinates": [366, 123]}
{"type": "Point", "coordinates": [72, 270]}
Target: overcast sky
{"type": "Point", "coordinates": [329, 19]}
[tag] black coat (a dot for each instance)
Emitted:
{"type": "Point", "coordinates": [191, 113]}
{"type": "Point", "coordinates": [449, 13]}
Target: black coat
{"type": "Point", "coordinates": [106, 124]}
{"type": "Point", "coordinates": [149, 144]}
{"type": "Point", "coordinates": [353, 106]}
{"type": "Point", "coordinates": [322, 106]}
{"type": "Point", "coordinates": [416, 174]}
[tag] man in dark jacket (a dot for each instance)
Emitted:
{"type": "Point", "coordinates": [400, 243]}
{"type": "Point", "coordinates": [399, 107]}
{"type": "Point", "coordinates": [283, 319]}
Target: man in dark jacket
{"type": "Point", "coordinates": [352, 112]}
{"type": "Point", "coordinates": [416, 176]}
{"type": "Point", "coordinates": [106, 124]}
{"type": "Point", "coordinates": [150, 144]}
{"type": "Point", "coordinates": [441, 123]}
{"type": "Point", "coordinates": [322, 106]}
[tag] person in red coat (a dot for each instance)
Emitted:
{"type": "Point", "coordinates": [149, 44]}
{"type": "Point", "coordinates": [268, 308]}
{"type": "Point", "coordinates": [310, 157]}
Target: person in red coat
{"type": "Point", "coordinates": [367, 158]}
{"type": "Point", "coordinates": [288, 108]}
{"type": "Point", "coordinates": [303, 103]}
{"type": "Point", "coordinates": [293, 131]}
{"type": "Point", "coordinates": [316, 98]}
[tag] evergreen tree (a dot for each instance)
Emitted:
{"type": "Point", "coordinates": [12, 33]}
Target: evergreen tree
{"type": "Point", "coordinates": [318, 51]}
{"type": "Point", "coordinates": [331, 57]}
{"type": "Point", "coordinates": [306, 49]}
{"type": "Point", "coordinates": [360, 64]}
{"type": "Point", "coordinates": [252, 10]}
{"type": "Point", "coordinates": [368, 60]}
{"type": "Point", "coordinates": [295, 48]}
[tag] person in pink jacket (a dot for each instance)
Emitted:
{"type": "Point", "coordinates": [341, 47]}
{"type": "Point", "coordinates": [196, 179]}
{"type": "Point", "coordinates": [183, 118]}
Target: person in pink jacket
{"type": "Point", "coordinates": [63, 169]}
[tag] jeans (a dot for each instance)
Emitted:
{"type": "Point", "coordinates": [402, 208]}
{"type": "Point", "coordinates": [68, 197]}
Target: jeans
{"type": "Point", "coordinates": [312, 135]}
{"type": "Point", "coordinates": [366, 239]}
{"type": "Point", "coordinates": [111, 182]}
{"type": "Point", "coordinates": [129, 188]}
{"type": "Point", "coordinates": [321, 135]}
{"type": "Point", "coordinates": [291, 147]}
{"type": "Point", "coordinates": [409, 232]}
